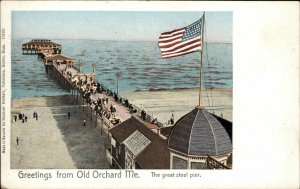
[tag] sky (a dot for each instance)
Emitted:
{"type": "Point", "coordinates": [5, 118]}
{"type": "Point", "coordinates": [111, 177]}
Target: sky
{"type": "Point", "coordinates": [109, 25]}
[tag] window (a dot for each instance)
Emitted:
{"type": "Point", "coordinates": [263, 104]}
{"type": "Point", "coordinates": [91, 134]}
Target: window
{"type": "Point", "coordinates": [179, 163]}
{"type": "Point", "coordinates": [197, 165]}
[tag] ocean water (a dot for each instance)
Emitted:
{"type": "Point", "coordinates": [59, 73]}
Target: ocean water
{"type": "Point", "coordinates": [139, 63]}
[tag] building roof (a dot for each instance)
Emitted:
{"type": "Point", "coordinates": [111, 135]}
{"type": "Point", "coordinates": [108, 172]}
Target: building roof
{"type": "Point", "coordinates": [151, 126]}
{"type": "Point", "coordinates": [226, 124]}
{"type": "Point", "coordinates": [59, 57]}
{"type": "Point", "coordinates": [165, 131]}
{"type": "Point", "coordinates": [41, 43]}
{"type": "Point", "coordinates": [199, 133]}
{"type": "Point", "coordinates": [37, 40]}
{"type": "Point", "coordinates": [155, 155]}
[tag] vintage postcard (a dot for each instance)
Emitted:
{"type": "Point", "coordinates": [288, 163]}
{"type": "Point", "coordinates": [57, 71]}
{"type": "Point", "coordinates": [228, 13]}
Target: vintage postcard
{"type": "Point", "coordinates": [140, 94]}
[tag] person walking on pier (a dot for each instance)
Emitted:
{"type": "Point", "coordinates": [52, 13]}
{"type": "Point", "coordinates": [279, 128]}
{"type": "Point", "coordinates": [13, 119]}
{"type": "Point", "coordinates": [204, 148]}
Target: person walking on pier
{"type": "Point", "coordinates": [84, 122]}
{"type": "Point", "coordinates": [17, 140]}
{"type": "Point", "coordinates": [25, 118]}
{"type": "Point", "coordinates": [69, 115]}
{"type": "Point", "coordinates": [143, 114]}
{"type": "Point", "coordinates": [36, 116]}
{"type": "Point", "coordinates": [111, 108]}
{"type": "Point", "coordinates": [171, 121]}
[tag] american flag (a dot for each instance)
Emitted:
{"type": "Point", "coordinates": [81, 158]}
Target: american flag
{"type": "Point", "coordinates": [181, 41]}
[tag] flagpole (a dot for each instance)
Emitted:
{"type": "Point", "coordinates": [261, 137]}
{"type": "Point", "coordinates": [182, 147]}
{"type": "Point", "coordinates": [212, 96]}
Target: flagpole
{"type": "Point", "coordinates": [201, 62]}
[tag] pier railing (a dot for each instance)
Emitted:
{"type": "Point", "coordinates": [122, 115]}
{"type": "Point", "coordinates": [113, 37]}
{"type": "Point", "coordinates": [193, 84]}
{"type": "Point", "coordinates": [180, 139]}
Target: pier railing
{"type": "Point", "coordinates": [212, 163]}
{"type": "Point", "coordinates": [107, 122]}
{"type": "Point", "coordinates": [76, 68]}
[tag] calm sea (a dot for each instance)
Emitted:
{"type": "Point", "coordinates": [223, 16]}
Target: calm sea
{"type": "Point", "coordinates": [139, 63]}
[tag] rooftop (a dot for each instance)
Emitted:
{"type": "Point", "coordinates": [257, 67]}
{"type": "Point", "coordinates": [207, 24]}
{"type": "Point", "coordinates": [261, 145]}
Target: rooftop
{"type": "Point", "coordinates": [58, 57]}
{"type": "Point", "coordinates": [199, 133]}
{"type": "Point", "coordinates": [41, 42]}
{"type": "Point", "coordinates": [153, 155]}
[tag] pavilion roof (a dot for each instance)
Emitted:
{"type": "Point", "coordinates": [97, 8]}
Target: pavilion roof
{"type": "Point", "coordinates": [59, 57]}
{"type": "Point", "coordinates": [199, 133]}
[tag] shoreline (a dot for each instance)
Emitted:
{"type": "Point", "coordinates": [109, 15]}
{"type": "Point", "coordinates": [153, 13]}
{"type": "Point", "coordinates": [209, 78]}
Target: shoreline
{"type": "Point", "coordinates": [41, 101]}
{"type": "Point", "coordinates": [178, 89]}
{"type": "Point", "coordinates": [159, 103]}
{"type": "Point", "coordinates": [141, 90]}
{"type": "Point", "coordinates": [162, 103]}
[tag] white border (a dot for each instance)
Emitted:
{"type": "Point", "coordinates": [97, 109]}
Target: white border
{"type": "Point", "coordinates": [265, 97]}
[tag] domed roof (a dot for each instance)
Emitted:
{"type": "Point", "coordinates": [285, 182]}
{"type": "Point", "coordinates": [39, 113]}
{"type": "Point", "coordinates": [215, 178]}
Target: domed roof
{"type": "Point", "coordinates": [199, 133]}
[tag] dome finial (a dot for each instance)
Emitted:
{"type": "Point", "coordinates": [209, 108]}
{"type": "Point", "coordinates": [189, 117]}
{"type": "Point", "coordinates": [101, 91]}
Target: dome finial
{"type": "Point", "coordinates": [200, 107]}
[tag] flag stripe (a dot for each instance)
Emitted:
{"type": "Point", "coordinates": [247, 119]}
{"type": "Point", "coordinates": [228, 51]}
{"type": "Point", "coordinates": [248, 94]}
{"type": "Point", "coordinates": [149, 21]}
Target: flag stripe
{"type": "Point", "coordinates": [173, 31]}
{"type": "Point", "coordinates": [185, 48]}
{"type": "Point", "coordinates": [169, 43]}
{"type": "Point", "coordinates": [181, 32]}
{"type": "Point", "coordinates": [180, 53]}
{"type": "Point", "coordinates": [171, 39]}
{"type": "Point", "coordinates": [177, 45]}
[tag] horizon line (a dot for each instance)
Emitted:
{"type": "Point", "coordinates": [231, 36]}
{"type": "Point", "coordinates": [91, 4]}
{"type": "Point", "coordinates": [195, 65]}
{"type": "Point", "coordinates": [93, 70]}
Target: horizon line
{"type": "Point", "coordinates": [134, 40]}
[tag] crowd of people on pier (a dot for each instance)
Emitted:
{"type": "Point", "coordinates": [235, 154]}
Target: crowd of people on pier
{"type": "Point", "coordinates": [88, 91]}
{"type": "Point", "coordinates": [102, 106]}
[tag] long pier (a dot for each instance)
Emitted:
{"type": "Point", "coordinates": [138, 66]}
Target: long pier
{"type": "Point", "coordinates": [104, 103]}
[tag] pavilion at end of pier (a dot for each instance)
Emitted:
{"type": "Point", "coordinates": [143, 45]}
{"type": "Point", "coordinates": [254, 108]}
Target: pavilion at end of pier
{"type": "Point", "coordinates": [38, 46]}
